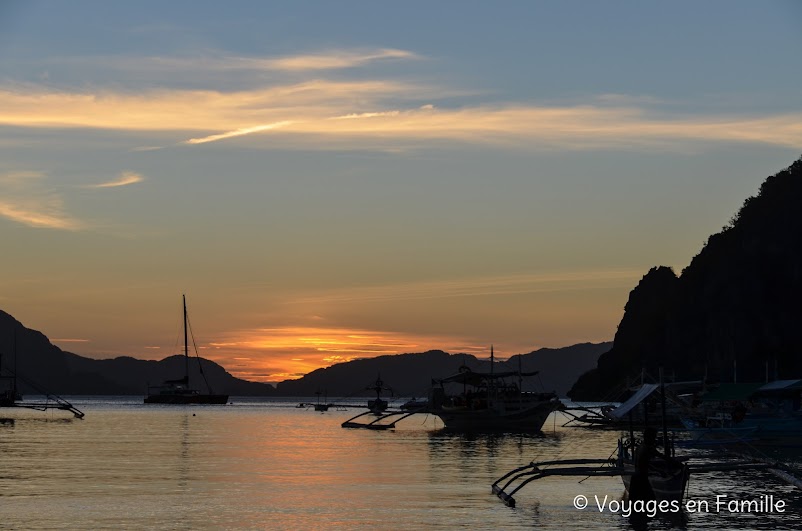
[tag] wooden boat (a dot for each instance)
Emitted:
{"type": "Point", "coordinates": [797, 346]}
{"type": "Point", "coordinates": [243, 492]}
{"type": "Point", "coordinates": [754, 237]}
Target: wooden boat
{"type": "Point", "coordinates": [491, 401]}
{"type": "Point", "coordinates": [667, 474]}
{"type": "Point", "coordinates": [378, 405]}
{"type": "Point", "coordinates": [321, 406]}
{"type": "Point", "coordinates": [765, 414]}
{"type": "Point", "coordinates": [668, 480]}
{"type": "Point", "coordinates": [179, 391]}
{"type": "Point", "coordinates": [488, 402]}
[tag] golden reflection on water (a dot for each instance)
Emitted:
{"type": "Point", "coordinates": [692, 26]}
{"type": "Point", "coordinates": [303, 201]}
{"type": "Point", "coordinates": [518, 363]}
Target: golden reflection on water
{"type": "Point", "coordinates": [269, 465]}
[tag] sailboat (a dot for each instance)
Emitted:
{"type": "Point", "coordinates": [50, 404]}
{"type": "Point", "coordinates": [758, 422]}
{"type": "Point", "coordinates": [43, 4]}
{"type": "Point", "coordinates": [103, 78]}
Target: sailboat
{"type": "Point", "coordinates": [179, 391]}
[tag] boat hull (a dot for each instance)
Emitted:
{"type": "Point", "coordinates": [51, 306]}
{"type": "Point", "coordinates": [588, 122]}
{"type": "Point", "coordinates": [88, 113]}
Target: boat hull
{"type": "Point", "coordinates": [530, 418]}
{"type": "Point", "coordinates": [186, 399]}
{"type": "Point", "coordinates": [668, 485]}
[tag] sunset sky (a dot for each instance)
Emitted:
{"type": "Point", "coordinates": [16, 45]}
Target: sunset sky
{"type": "Point", "coordinates": [334, 180]}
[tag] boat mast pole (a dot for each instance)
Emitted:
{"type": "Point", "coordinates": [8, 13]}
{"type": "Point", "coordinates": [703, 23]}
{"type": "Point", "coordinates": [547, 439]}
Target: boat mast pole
{"type": "Point", "coordinates": [14, 391]}
{"type": "Point", "coordinates": [492, 381]}
{"type": "Point", "coordinates": [520, 382]}
{"type": "Point", "coordinates": [186, 343]}
{"type": "Point", "coordinates": [663, 406]}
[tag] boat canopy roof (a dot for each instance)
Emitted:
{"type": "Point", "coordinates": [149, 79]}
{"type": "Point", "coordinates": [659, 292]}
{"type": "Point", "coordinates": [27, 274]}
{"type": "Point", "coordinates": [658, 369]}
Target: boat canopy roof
{"type": "Point", "coordinates": [642, 394]}
{"type": "Point", "coordinates": [782, 384]}
{"type": "Point", "coordinates": [467, 376]}
{"type": "Point", "coordinates": [731, 391]}
{"type": "Point", "coordinates": [779, 387]}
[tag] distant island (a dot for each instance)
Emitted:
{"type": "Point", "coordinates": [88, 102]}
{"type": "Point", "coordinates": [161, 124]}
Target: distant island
{"type": "Point", "coordinates": [65, 373]}
{"type": "Point", "coordinates": [735, 313]}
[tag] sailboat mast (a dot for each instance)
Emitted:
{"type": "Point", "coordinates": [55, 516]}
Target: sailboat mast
{"type": "Point", "coordinates": [186, 342]}
{"type": "Point", "coordinates": [15, 364]}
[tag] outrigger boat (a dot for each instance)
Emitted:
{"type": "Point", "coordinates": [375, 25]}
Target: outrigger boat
{"type": "Point", "coordinates": [10, 395]}
{"type": "Point", "coordinates": [377, 407]}
{"type": "Point", "coordinates": [766, 414]}
{"type": "Point", "coordinates": [491, 401]}
{"type": "Point", "coordinates": [178, 391]}
{"type": "Point", "coordinates": [668, 474]}
{"type": "Point", "coordinates": [487, 402]}
{"type": "Point", "coordinates": [321, 406]}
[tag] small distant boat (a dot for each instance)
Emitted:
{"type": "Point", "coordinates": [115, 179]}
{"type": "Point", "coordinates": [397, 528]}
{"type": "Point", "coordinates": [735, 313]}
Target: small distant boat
{"type": "Point", "coordinates": [378, 405]}
{"type": "Point", "coordinates": [179, 391]}
{"type": "Point", "coordinates": [321, 406]}
{"type": "Point", "coordinates": [414, 405]}
{"type": "Point", "coordinates": [490, 401]}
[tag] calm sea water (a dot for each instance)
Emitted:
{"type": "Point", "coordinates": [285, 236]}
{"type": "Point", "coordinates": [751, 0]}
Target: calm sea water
{"type": "Point", "coordinates": [265, 464]}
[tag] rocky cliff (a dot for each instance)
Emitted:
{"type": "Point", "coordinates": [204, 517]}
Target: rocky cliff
{"type": "Point", "coordinates": [734, 312]}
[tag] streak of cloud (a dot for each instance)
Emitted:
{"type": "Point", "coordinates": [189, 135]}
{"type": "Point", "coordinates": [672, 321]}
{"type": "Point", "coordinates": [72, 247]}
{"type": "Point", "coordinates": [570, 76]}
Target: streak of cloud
{"type": "Point", "coordinates": [125, 178]}
{"type": "Point", "coordinates": [26, 200]}
{"type": "Point", "coordinates": [237, 132]}
{"type": "Point", "coordinates": [336, 59]}
{"type": "Point", "coordinates": [212, 61]}
{"type": "Point", "coordinates": [301, 114]}
{"type": "Point", "coordinates": [480, 286]}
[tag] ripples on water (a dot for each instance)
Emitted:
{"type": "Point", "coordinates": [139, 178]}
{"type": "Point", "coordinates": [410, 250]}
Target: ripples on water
{"type": "Point", "coordinates": [261, 464]}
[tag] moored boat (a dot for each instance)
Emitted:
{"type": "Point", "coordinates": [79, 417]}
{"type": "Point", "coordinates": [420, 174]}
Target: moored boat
{"type": "Point", "coordinates": [491, 401]}
{"type": "Point", "coordinates": [648, 473]}
{"type": "Point", "coordinates": [179, 391]}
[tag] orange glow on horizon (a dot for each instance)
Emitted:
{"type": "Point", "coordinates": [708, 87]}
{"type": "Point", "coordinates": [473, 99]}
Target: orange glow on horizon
{"type": "Point", "coordinates": [272, 355]}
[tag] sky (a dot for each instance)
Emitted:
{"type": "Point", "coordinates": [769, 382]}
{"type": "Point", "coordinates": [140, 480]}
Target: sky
{"type": "Point", "coordinates": [327, 181]}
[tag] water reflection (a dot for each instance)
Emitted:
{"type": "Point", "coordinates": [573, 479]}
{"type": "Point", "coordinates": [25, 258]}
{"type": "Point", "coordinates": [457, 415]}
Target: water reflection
{"type": "Point", "coordinates": [261, 465]}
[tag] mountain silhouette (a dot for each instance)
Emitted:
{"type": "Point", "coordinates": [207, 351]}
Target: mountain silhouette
{"type": "Point", "coordinates": [735, 313]}
{"type": "Point", "coordinates": [48, 367]}
{"type": "Point", "coordinates": [410, 375]}
{"type": "Point", "coordinates": [39, 361]}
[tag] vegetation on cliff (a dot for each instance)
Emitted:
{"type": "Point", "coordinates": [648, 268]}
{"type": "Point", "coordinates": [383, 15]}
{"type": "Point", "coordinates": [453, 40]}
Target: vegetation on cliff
{"type": "Point", "coordinates": [734, 312]}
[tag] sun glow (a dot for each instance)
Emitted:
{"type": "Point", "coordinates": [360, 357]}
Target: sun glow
{"type": "Point", "coordinates": [276, 354]}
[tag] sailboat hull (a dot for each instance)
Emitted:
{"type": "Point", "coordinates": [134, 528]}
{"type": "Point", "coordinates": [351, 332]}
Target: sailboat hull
{"type": "Point", "coordinates": [186, 399]}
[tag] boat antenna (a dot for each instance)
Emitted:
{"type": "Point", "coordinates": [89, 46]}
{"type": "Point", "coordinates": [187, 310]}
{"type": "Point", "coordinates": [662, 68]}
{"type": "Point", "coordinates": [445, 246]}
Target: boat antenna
{"type": "Point", "coordinates": [663, 407]}
{"type": "Point", "coordinates": [14, 391]}
{"type": "Point", "coordinates": [492, 381]}
{"type": "Point", "coordinates": [520, 382]}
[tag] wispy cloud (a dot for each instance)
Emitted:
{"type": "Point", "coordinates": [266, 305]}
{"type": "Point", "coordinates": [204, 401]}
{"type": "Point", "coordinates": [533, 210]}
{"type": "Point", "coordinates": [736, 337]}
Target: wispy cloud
{"type": "Point", "coordinates": [211, 61]}
{"type": "Point", "coordinates": [124, 179]}
{"type": "Point", "coordinates": [356, 114]}
{"type": "Point", "coordinates": [480, 286]}
{"type": "Point", "coordinates": [238, 132]}
{"type": "Point", "coordinates": [337, 59]}
{"type": "Point", "coordinates": [27, 200]}
{"type": "Point", "coordinates": [353, 116]}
